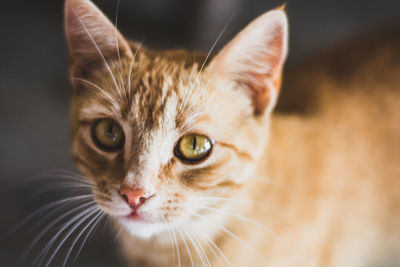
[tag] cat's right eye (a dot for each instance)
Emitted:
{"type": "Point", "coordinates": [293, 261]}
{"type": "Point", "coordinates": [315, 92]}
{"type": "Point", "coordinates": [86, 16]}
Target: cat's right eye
{"type": "Point", "coordinates": [108, 135]}
{"type": "Point", "coordinates": [193, 148]}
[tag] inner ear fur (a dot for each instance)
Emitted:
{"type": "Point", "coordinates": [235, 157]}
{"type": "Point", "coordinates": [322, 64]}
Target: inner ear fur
{"type": "Point", "coordinates": [254, 59]}
{"type": "Point", "coordinates": [92, 38]}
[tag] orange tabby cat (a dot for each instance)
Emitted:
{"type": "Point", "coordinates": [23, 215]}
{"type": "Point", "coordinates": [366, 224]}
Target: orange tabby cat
{"type": "Point", "coordinates": [183, 153]}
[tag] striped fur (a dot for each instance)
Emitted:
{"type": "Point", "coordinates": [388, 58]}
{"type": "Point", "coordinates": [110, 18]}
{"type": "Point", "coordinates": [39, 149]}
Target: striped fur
{"type": "Point", "coordinates": [216, 212]}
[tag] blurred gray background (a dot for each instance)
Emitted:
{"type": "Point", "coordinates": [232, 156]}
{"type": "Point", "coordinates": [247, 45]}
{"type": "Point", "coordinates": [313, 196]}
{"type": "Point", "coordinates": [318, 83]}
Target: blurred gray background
{"type": "Point", "coordinates": [34, 86]}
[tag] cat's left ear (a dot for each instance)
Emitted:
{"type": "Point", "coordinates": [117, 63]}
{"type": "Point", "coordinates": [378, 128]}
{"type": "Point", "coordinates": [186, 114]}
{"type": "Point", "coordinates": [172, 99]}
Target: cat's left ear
{"type": "Point", "coordinates": [92, 38]}
{"type": "Point", "coordinates": [254, 59]}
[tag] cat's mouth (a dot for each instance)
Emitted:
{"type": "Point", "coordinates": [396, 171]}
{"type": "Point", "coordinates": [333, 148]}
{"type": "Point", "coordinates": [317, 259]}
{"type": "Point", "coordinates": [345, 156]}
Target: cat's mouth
{"type": "Point", "coordinates": [135, 216]}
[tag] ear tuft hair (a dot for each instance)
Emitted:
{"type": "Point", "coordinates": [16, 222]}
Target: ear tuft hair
{"type": "Point", "coordinates": [92, 38]}
{"type": "Point", "coordinates": [255, 58]}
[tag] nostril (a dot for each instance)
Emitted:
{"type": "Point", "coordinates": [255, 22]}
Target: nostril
{"type": "Point", "coordinates": [133, 196]}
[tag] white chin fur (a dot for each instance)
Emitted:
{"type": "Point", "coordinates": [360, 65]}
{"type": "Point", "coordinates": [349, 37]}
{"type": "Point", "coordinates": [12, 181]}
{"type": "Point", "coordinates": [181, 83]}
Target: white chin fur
{"type": "Point", "coordinates": [143, 230]}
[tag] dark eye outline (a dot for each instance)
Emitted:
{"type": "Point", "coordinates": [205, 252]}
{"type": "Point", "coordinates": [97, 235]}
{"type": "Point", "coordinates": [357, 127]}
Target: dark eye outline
{"type": "Point", "coordinates": [99, 144]}
{"type": "Point", "coordinates": [178, 154]}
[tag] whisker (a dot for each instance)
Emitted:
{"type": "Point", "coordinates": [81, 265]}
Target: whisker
{"type": "Point", "coordinates": [197, 245]}
{"type": "Point", "coordinates": [186, 245]}
{"type": "Point", "coordinates": [131, 68]}
{"type": "Point", "coordinates": [212, 244]}
{"type": "Point", "coordinates": [98, 50]}
{"type": "Point", "coordinates": [98, 217]}
{"type": "Point", "coordinates": [46, 229]}
{"type": "Point", "coordinates": [87, 236]}
{"type": "Point", "coordinates": [57, 211]}
{"type": "Point", "coordinates": [69, 173]}
{"type": "Point", "coordinates": [196, 237]}
{"type": "Point", "coordinates": [240, 217]}
{"type": "Point", "coordinates": [71, 187]}
{"type": "Point", "coordinates": [192, 242]}
{"type": "Point", "coordinates": [118, 52]}
{"type": "Point", "coordinates": [118, 235]}
{"type": "Point", "coordinates": [107, 95]}
{"type": "Point", "coordinates": [186, 95]}
{"type": "Point", "coordinates": [116, 32]}
{"type": "Point", "coordinates": [107, 223]}
{"type": "Point", "coordinates": [76, 177]}
{"type": "Point", "coordinates": [232, 235]}
{"type": "Point", "coordinates": [194, 84]}
{"type": "Point", "coordinates": [42, 255]}
{"type": "Point", "coordinates": [71, 181]}
{"type": "Point", "coordinates": [172, 243]}
{"type": "Point", "coordinates": [46, 207]}
{"type": "Point", "coordinates": [214, 76]}
{"type": "Point", "coordinates": [211, 49]}
{"type": "Point", "coordinates": [52, 178]}
{"type": "Point", "coordinates": [176, 245]}
{"type": "Point", "coordinates": [65, 238]}
{"type": "Point", "coordinates": [250, 202]}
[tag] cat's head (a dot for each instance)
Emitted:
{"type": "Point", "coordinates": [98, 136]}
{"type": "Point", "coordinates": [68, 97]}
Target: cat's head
{"type": "Point", "coordinates": [165, 135]}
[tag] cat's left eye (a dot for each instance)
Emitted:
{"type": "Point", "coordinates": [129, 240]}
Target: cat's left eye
{"type": "Point", "coordinates": [193, 148]}
{"type": "Point", "coordinates": [107, 134]}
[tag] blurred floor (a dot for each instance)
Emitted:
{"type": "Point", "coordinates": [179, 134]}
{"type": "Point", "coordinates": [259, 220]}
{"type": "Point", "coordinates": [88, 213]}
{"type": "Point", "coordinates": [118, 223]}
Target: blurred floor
{"type": "Point", "coordinates": [34, 87]}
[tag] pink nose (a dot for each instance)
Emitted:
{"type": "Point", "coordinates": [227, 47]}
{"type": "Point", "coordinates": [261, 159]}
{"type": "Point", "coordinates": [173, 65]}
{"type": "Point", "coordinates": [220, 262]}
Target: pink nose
{"type": "Point", "coordinates": [133, 196]}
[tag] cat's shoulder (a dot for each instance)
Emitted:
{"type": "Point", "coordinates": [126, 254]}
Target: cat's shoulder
{"type": "Point", "coordinates": [366, 65]}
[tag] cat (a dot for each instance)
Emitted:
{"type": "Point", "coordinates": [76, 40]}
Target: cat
{"type": "Point", "coordinates": [184, 152]}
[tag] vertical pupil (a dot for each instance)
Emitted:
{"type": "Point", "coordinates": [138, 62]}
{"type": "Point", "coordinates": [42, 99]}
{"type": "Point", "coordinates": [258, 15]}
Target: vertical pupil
{"type": "Point", "coordinates": [194, 142]}
{"type": "Point", "coordinates": [110, 132]}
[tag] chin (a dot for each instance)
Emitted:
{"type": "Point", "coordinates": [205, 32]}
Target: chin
{"type": "Point", "coordinates": [143, 229]}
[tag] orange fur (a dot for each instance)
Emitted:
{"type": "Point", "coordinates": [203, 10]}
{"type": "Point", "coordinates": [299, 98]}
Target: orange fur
{"type": "Point", "coordinates": [316, 188]}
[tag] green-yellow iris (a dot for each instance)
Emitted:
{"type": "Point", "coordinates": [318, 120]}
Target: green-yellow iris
{"type": "Point", "coordinates": [108, 134]}
{"type": "Point", "coordinates": [193, 147]}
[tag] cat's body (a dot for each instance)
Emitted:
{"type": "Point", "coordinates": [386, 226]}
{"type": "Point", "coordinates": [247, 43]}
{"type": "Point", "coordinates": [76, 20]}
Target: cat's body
{"type": "Point", "coordinates": [335, 156]}
{"type": "Point", "coordinates": [315, 188]}
{"type": "Point", "coordinates": [327, 186]}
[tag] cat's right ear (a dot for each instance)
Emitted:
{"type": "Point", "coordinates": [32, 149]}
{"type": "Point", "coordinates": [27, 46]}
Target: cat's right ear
{"type": "Point", "coordinates": [92, 38]}
{"type": "Point", "coordinates": [254, 59]}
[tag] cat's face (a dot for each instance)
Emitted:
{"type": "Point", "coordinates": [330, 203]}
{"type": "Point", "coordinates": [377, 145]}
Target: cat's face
{"type": "Point", "coordinates": [165, 136]}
